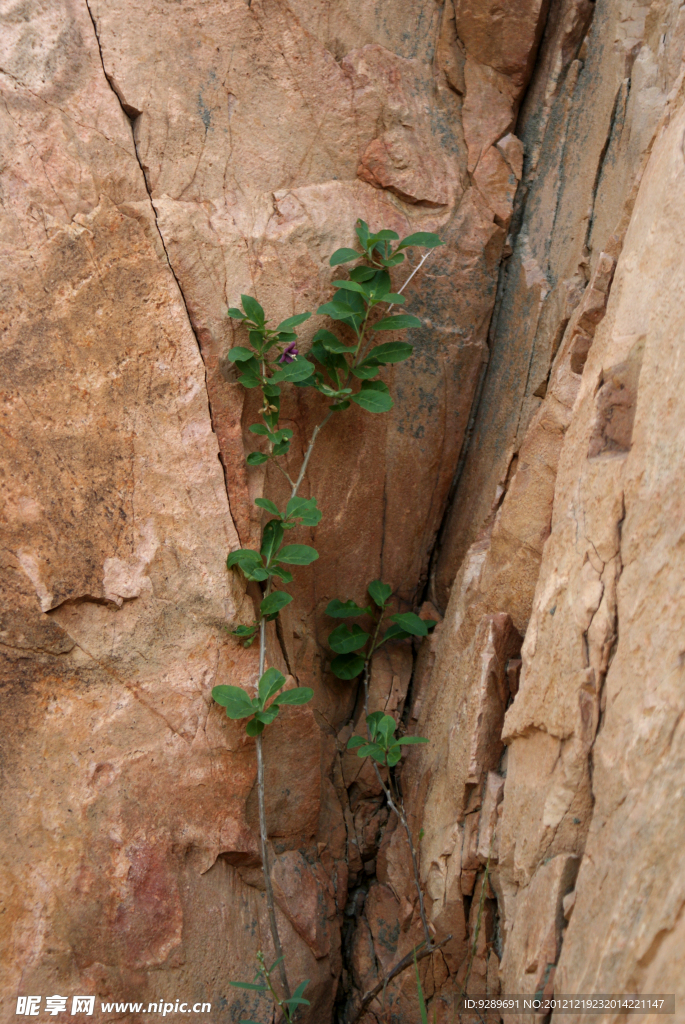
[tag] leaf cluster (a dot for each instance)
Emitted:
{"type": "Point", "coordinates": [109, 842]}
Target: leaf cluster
{"type": "Point", "coordinates": [382, 744]}
{"type": "Point", "coordinates": [354, 645]}
{"type": "Point", "coordinates": [271, 560]}
{"type": "Point", "coordinates": [271, 359]}
{"type": "Point", "coordinates": [262, 709]}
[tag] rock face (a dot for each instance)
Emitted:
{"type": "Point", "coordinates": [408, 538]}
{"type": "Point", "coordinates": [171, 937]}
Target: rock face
{"type": "Point", "coordinates": [160, 160]}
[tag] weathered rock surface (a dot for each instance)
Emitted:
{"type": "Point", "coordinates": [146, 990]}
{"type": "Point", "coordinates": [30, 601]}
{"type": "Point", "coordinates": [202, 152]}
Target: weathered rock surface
{"type": "Point", "coordinates": [159, 160]}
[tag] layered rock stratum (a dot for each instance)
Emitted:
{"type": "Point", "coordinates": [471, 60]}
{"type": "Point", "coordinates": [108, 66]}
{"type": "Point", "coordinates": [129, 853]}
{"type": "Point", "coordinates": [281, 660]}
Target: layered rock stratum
{"type": "Point", "coordinates": [527, 489]}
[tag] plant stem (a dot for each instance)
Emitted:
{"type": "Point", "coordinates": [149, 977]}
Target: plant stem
{"type": "Point", "coordinates": [303, 469]}
{"type": "Point", "coordinates": [403, 964]}
{"type": "Point", "coordinates": [271, 906]}
{"type": "Point", "coordinates": [263, 835]}
{"type": "Point", "coordinates": [414, 271]}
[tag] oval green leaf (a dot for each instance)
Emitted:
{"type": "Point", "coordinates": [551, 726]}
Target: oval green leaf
{"type": "Point", "coordinates": [410, 623]}
{"type": "Point", "coordinates": [235, 700]}
{"type": "Point", "coordinates": [343, 256]}
{"type": "Point", "coordinates": [300, 695]}
{"type": "Point", "coordinates": [297, 554]}
{"type": "Point", "coordinates": [240, 355]}
{"type": "Point", "coordinates": [401, 322]}
{"type": "Point", "coordinates": [380, 592]}
{"type": "Point", "coordinates": [427, 239]}
{"type": "Point", "coordinates": [270, 683]}
{"type": "Point", "coordinates": [345, 609]}
{"type": "Point", "coordinates": [347, 666]}
{"type": "Point", "coordinates": [293, 321]}
{"type": "Point", "coordinates": [373, 401]}
{"type": "Point", "coordinates": [344, 639]}
{"type": "Point", "coordinates": [392, 352]}
{"type": "Point", "coordinates": [272, 604]}
{"type": "Point", "coordinates": [253, 309]}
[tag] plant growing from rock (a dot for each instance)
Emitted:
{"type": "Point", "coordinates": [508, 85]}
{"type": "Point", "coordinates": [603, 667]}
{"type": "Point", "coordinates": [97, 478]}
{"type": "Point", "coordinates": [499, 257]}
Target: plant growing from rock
{"type": "Point", "coordinates": [343, 373]}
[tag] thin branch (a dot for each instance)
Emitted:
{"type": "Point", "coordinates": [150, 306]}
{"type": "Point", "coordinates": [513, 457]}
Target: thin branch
{"type": "Point", "coordinates": [303, 469]}
{"type": "Point", "coordinates": [267, 871]}
{"type": "Point", "coordinates": [403, 964]}
{"type": "Point", "coordinates": [414, 271]}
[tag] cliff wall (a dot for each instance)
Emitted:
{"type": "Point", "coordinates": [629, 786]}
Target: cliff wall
{"type": "Point", "coordinates": [159, 161]}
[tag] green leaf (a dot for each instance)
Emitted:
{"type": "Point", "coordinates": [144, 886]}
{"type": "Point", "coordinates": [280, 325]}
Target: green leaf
{"type": "Point", "coordinates": [337, 310]}
{"type": "Point", "coordinates": [253, 309]}
{"type": "Point", "coordinates": [397, 323]}
{"type": "Point", "coordinates": [373, 401]}
{"type": "Point", "coordinates": [235, 314]}
{"type": "Point", "coordinates": [362, 274]}
{"type": "Point", "coordinates": [272, 604]}
{"type": "Point", "coordinates": [249, 561]}
{"type": "Point", "coordinates": [392, 352]}
{"type": "Point", "coordinates": [380, 592]}
{"type": "Point", "coordinates": [425, 238]}
{"type": "Point", "coordinates": [256, 459]}
{"type": "Point", "coordinates": [283, 574]}
{"type": "Point", "coordinates": [345, 609]}
{"type": "Point", "coordinates": [297, 554]}
{"type": "Point", "coordinates": [372, 722]}
{"type": "Point", "coordinates": [362, 231]}
{"type": "Point", "coordinates": [296, 1002]}
{"type": "Point", "coordinates": [275, 964]}
{"type": "Point", "coordinates": [293, 321]}
{"type": "Point", "coordinates": [235, 700]}
{"type": "Point", "coordinates": [259, 428]}
{"type": "Point", "coordinates": [409, 740]}
{"type": "Point", "coordinates": [343, 256]}
{"type": "Point", "coordinates": [299, 369]}
{"type": "Point", "coordinates": [395, 298]}
{"type": "Point", "coordinates": [395, 632]}
{"type": "Point", "coordinates": [240, 355]}
{"type": "Point", "coordinates": [410, 623]}
{"type": "Point", "coordinates": [303, 509]}
{"type": "Point", "coordinates": [332, 344]}
{"type": "Point", "coordinates": [394, 754]}
{"type": "Point", "coordinates": [340, 406]}
{"type": "Point", "coordinates": [245, 630]}
{"type": "Point", "coordinates": [366, 370]}
{"type": "Point", "coordinates": [386, 235]}
{"type": "Point", "coordinates": [355, 741]}
{"type": "Point", "coordinates": [345, 638]}
{"type": "Point", "coordinates": [272, 538]}
{"type": "Point", "coordinates": [297, 994]}
{"type": "Point", "coordinates": [394, 260]}
{"type": "Point", "coordinates": [249, 380]}
{"type": "Point", "coordinates": [352, 286]}
{"type": "Point", "coordinates": [372, 750]}
{"type": "Point", "coordinates": [254, 727]}
{"type": "Point", "coordinates": [270, 683]}
{"type": "Point", "coordinates": [386, 729]}
{"type": "Point", "coordinates": [347, 666]}
{"type": "Point", "coordinates": [268, 505]}
{"type": "Point", "coordinates": [267, 717]}
{"type": "Point", "coordinates": [300, 695]}
{"type": "Point", "coordinates": [246, 984]}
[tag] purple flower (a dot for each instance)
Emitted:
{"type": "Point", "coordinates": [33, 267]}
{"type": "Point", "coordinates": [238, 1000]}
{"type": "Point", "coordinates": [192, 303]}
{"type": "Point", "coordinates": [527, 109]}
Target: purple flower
{"type": "Point", "coordinates": [289, 353]}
